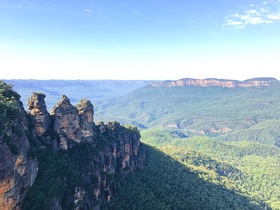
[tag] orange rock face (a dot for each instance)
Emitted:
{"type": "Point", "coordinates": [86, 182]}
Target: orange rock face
{"type": "Point", "coordinates": [257, 82]}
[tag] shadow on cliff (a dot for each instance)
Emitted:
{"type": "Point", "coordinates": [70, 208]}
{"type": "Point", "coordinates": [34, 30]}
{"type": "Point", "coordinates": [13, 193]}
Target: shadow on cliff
{"type": "Point", "coordinates": [165, 183]}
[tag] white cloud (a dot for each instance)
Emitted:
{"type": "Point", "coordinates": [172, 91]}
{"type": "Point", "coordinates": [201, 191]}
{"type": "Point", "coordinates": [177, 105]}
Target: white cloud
{"type": "Point", "coordinates": [252, 12]}
{"type": "Point", "coordinates": [234, 23]}
{"type": "Point", "coordinates": [263, 13]}
{"type": "Point", "coordinates": [274, 16]}
{"type": "Point", "coordinates": [88, 10]}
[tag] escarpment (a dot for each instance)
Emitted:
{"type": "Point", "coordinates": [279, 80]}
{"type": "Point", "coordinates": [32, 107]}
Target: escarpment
{"type": "Point", "coordinates": [17, 169]}
{"type": "Point", "coordinates": [77, 163]}
{"type": "Point", "coordinates": [213, 82]}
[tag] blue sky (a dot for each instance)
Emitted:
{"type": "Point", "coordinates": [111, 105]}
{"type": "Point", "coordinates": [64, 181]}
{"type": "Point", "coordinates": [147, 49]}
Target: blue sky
{"type": "Point", "coordinates": [140, 39]}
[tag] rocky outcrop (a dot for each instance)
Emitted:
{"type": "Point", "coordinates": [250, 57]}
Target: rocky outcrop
{"type": "Point", "coordinates": [38, 113]}
{"type": "Point", "coordinates": [256, 82]}
{"type": "Point", "coordinates": [112, 152]}
{"type": "Point", "coordinates": [99, 155]}
{"type": "Point", "coordinates": [119, 157]}
{"type": "Point", "coordinates": [66, 123]}
{"type": "Point", "coordinates": [85, 111]}
{"type": "Point", "coordinates": [17, 170]}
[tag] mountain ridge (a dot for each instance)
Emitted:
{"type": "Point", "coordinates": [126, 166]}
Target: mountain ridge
{"type": "Point", "coordinates": [210, 82]}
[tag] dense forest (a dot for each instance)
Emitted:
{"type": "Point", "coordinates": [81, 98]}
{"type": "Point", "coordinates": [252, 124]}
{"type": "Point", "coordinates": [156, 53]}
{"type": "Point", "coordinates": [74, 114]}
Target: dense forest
{"type": "Point", "coordinates": [166, 183]}
{"type": "Point", "coordinates": [228, 137]}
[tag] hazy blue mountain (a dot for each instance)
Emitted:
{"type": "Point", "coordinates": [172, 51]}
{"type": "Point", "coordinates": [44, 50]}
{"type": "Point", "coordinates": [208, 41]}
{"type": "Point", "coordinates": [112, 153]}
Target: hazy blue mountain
{"type": "Point", "coordinates": [93, 90]}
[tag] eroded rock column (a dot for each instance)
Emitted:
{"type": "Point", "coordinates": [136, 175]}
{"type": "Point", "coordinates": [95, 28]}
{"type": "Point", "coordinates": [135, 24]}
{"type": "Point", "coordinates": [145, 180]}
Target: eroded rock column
{"type": "Point", "coordinates": [66, 123]}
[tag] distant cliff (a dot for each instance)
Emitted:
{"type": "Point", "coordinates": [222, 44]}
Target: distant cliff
{"type": "Point", "coordinates": [255, 82]}
{"type": "Point", "coordinates": [79, 164]}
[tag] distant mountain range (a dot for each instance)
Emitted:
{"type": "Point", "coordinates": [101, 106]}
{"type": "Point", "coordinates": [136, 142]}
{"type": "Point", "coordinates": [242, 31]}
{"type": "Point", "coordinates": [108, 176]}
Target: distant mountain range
{"type": "Point", "coordinates": [93, 90]}
{"type": "Point", "coordinates": [99, 90]}
{"type": "Point", "coordinates": [255, 82]}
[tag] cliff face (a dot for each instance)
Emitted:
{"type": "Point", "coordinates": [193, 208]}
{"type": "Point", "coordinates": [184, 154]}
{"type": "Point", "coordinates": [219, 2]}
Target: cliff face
{"type": "Point", "coordinates": [77, 164]}
{"type": "Point", "coordinates": [100, 155]}
{"type": "Point", "coordinates": [66, 123]}
{"type": "Point", "coordinates": [118, 157]}
{"type": "Point", "coordinates": [17, 170]}
{"type": "Point", "coordinates": [256, 82]}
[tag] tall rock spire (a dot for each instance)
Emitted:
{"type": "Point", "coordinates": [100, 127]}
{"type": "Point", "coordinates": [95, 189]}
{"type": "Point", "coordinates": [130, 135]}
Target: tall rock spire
{"type": "Point", "coordinates": [39, 113]}
{"type": "Point", "coordinates": [66, 123]}
{"type": "Point", "coordinates": [85, 110]}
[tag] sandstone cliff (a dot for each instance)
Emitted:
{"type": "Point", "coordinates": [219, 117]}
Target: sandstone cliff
{"type": "Point", "coordinates": [255, 82]}
{"type": "Point", "coordinates": [39, 114]}
{"type": "Point", "coordinates": [77, 163]}
{"type": "Point", "coordinates": [17, 170]}
{"type": "Point", "coordinates": [85, 111]}
{"type": "Point", "coordinates": [99, 156]}
{"type": "Point", "coordinates": [66, 123]}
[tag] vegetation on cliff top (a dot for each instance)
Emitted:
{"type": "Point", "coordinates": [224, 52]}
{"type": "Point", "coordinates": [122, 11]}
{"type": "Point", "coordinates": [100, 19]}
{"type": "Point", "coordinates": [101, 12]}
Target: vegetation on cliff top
{"type": "Point", "coordinates": [60, 172]}
{"type": "Point", "coordinates": [8, 101]}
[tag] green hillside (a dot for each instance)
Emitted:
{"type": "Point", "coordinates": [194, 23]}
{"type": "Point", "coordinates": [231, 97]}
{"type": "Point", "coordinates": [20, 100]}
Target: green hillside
{"type": "Point", "coordinates": [226, 137]}
{"type": "Point", "coordinates": [210, 111]}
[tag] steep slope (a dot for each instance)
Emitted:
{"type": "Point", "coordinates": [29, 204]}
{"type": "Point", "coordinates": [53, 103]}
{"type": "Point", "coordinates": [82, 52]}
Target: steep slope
{"type": "Point", "coordinates": [17, 170]}
{"type": "Point", "coordinates": [165, 183]}
{"type": "Point", "coordinates": [248, 168]}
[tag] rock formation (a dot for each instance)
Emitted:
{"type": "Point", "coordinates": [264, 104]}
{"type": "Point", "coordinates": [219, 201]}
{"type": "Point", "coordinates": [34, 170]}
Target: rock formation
{"type": "Point", "coordinates": [101, 155]}
{"type": "Point", "coordinates": [256, 82]}
{"type": "Point", "coordinates": [39, 113]}
{"type": "Point", "coordinates": [85, 111]}
{"type": "Point", "coordinates": [66, 123]}
{"type": "Point", "coordinates": [117, 158]}
{"type": "Point", "coordinates": [17, 170]}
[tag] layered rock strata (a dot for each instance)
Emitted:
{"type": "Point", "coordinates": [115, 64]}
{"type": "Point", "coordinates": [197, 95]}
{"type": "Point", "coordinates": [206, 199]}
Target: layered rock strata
{"type": "Point", "coordinates": [212, 82]}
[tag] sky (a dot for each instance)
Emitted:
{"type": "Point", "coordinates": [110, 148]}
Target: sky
{"type": "Point", "coordinates": [139, 39]}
